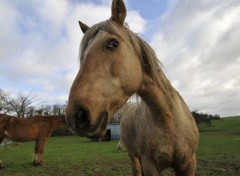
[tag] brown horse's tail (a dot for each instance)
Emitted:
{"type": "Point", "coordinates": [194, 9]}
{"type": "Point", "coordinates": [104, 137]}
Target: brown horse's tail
{"type": "Point", "coordinates": [4, 119]}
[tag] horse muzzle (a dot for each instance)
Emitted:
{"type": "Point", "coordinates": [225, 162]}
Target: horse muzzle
{"type": "Point", "coordinates": [80, 123]}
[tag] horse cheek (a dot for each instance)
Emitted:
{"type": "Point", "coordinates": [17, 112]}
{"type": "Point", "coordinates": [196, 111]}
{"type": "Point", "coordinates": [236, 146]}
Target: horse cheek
{"type": "Point", "coordinates": [132, 80]}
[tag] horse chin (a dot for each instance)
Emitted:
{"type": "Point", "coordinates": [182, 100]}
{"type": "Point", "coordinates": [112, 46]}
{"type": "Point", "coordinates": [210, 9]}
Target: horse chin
{"type": "Point", "coordinates": [95, 131]}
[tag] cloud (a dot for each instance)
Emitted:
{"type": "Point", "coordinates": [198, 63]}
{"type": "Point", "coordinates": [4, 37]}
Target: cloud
{"type": "Point", "coordinates": [39, 43]}
{"type": "Point", "coordinates": [198, 43]}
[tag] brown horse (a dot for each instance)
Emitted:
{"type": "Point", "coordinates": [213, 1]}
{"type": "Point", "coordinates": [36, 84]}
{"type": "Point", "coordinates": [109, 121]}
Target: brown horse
{"type": "Point", "coordinates": [115, 64]}
{"type": "Point", "coordinates": [37, 128]}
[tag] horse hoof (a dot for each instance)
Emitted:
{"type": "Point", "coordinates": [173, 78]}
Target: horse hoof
{"type": "Point", "coordinates": [34, 163]}
{"type": "Point", "coordinates": [1, 164]}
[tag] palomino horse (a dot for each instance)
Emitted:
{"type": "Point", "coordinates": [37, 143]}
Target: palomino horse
{"type": "Point", "coordinates": [115, 64]}
{"type": "Point", "coordinates": [37, 128]}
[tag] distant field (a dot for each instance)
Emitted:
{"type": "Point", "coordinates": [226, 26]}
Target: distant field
{"type": "Point", "coordinates": [218, 155]}
{"type": "Point", "coordinates": [219, 148]}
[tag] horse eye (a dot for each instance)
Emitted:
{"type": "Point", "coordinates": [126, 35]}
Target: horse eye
{"type": "Point", "coordinates": [112, 44]}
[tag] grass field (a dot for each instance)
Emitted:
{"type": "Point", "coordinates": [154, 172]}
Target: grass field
{"type": "Point", "coordinates": [218, 155]}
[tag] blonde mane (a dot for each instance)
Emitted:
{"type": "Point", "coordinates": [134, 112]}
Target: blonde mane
{"type": "Point", "coordinates": [148, 59]}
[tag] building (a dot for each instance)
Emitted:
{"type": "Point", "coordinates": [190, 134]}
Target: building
{"type": "Point", "coordinates": [114, 130]}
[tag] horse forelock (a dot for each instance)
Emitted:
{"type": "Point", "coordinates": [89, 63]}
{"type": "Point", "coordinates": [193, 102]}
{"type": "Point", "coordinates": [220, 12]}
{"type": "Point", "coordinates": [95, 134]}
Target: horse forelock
{"type": "Point", "coordinates": [107, 26]}
{"type": "Point", "coordinates": [147, 57]}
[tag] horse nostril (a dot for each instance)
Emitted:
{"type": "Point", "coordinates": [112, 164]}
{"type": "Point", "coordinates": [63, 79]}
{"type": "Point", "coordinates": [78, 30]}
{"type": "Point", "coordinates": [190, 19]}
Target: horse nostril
{"type": "Point", "coordinates": [81, 118]}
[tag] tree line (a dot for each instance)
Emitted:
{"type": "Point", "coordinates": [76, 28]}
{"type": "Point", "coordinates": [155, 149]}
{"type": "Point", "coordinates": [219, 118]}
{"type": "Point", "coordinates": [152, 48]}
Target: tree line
{"type": "Point", "coordinates": [204, 117]}
{"type": "Point", "coordinates": [27, 105]}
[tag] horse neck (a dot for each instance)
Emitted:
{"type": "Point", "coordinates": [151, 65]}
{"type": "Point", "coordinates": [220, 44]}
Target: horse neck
{"type": "Point", "coordinates": [58, 121]}
{"type": "Point", "coordinates": [158, 102]}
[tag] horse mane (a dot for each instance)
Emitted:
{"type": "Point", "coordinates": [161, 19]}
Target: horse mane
{"type": "Point", "coordinates": [148, 59]}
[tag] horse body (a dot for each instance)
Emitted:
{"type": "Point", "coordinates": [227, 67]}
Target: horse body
{"type": "Point", "coordinates": [153, 145]}
{"type": "Point", "coordinates": [116, 63]}
{"type": "Point", "coordinates": [14, 130]}
{"type": "Point", "coordinates": [23, 130]}
{"type": "Point", "coordinates": [37, 128]}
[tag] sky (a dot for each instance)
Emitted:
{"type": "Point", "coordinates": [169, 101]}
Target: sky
{"type": "Point", "coordinates": [197, 42]}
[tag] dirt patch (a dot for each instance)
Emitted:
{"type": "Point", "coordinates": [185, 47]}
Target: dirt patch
{"type": "Point", "coordinates": [210, 130]}
{"type": "Point", "coordinates": [212, 168]}
{"type": "Point", "coordinates": [208, 167]}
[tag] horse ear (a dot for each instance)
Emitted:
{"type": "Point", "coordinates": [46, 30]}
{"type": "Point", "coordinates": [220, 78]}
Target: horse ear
{"type": "Point", "coordinates": [119, 11]}
{"type": "Point", "coordinates": [83, 26]}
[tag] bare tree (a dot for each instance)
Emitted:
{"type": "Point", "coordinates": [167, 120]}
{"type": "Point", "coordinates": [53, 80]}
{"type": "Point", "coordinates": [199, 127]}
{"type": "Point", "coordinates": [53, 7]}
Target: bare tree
{"type": "Point", "coordinates": [44, 110]}
{"type": "Point", "coordinates": [4, 106]}
{"type": "Point", "coordinates": [39, 111]}
{"type": "Point", "coordinates": [22, 104]}
{"type": "Point", "coordinates": [47, 109]}
{"type": "Point", "coordinates": [1, 100]}
{"type": "Point", "coordinates": [59, 109]}
{"type": "Point", "coordinates": [31, 111]}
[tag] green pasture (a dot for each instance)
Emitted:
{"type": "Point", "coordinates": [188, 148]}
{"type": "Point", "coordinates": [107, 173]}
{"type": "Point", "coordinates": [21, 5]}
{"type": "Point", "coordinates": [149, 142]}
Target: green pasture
{"type": "Point", "coordinates": [218, 154]}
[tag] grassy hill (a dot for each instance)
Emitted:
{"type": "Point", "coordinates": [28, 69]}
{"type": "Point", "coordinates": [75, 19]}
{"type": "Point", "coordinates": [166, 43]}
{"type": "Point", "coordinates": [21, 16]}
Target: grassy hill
{"type": "Point", "coordinates": [219, 148]}
{"type": "Point", "coordinates": [218, 154]}
{"type": "Point", "coordinates": [230, 124]}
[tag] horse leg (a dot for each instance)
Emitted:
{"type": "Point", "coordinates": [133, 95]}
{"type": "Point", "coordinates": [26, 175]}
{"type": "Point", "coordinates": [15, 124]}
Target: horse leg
{"type": "Point", "coordinates": [119, 146]}
{"type": "Point", "coordinates": [2, 135]}
{"type": "Point", "coordinates": [40, 151]}
{"type": "Point", "coordinates": [1, 139]}
{"type": "Point", "coordinates": [148, 167]}
{"type": "Point", "coordinates": [189, 169]}
{"type": "Point", "coordinates": [136, 166]}
{"type": "Point", "coordinates": [1, 164]}
{"type": "Point", "coordinates": [35, 154]}
{"type": "Point", "coordinates": [5, 143]}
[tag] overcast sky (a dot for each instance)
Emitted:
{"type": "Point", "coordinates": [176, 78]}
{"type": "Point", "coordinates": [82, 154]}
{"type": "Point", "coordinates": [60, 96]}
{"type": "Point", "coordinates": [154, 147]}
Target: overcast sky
{"type": "Point", "coordinates": [198, 43]}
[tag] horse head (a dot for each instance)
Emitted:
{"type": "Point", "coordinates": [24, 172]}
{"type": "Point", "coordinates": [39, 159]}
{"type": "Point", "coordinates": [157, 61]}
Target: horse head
{"type": "Point", "coordinates": [110, 72]}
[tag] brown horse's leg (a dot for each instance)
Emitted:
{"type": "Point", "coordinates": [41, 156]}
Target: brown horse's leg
{"type": "Point", "coordinates": [136, 166]}
{"type": "Point", "coordinates": [1, 139]}
{"type": "Point", "coordinates": [190, 169]}
{"type": "Point", "coordinates": [40, 150]}
{"type": "Point", "coordinates": [35, 154]}
{"type": "Point", "coordinates": [1, 164]}
{"type": "Point", "coordinates": [1, 135]}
